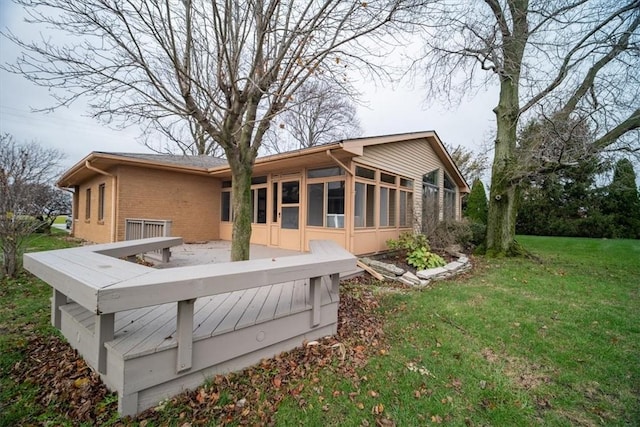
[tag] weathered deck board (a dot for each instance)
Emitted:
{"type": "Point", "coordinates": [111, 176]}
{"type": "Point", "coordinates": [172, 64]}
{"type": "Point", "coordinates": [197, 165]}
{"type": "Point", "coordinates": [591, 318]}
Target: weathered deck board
{"type": "Point", "coordinates": [200, 319]}
{"type": "Point", "coordinates": [146, 326]}
{"type": "Point", "coordinates": [284, 302]}
{"type": "Point", "coordinates": [253, 310]}
{"type": "Point", "coordinates": [234, 314]}
{"type": "Point", "coordinates": [211, 323]}
{"type": "Point", "coordinates": [125, 319]}
{"type": "Point", "coordinates": [268, 310]}
{"type": "Point", "coordinates": [298, 300]}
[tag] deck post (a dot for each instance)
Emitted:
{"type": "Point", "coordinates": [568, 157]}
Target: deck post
{"type": "Point", "coordinates": [314, 290]}
{"type": "Point", "coordinates": [58, 299]}
{"type": "Point", "coordinates": [128, 404]}
{"type": "Point", "coordinates": [335, 283]}
{"type": "Point", "coordinates": [184, 334]}
{"type": "Point", "coordinates": [103, 333]}
{"type": "Point", "coordinates": [166, 254]}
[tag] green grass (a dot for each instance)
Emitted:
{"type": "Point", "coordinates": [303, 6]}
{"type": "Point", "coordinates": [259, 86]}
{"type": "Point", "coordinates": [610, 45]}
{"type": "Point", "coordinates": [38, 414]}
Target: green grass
{"type": "Point", "coordinates": [518, 342]}
{"type": "Point", "coordinates": [24, 310]}
{"type": "Point", "coordinates": [60, 219]}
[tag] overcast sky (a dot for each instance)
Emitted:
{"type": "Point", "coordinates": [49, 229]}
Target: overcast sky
{"type": "Point", "coordinates": [391, 109]}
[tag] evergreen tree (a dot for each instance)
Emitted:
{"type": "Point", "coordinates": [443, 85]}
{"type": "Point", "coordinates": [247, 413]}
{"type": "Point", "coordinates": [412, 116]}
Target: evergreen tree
{"type": "Point", "coordinates": [476, 209]}
{"type": "Point", "coordinates": [622, 201]}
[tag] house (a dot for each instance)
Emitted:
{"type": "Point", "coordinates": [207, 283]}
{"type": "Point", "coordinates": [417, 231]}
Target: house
{"type": "Point", "coordinates": [358, 192]}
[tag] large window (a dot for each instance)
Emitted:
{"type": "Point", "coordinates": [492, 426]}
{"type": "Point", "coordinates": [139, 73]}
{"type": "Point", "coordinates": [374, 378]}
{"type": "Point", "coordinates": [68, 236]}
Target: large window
{"type": "Point", "coordinates": [406, 208]}
{"type": "Point", "coordinates": [430, 201]}
{"type": "Point", "coordinates": [101, 189]}
{"type": "Point", "coordinates": [449, 202]}
{"type": "Point", "coordinates": [391, 194]}
{"type": "Point", "coordinates": [365, 202]}
{"type": "Point", "coordinates": [388, 207]}
{"type": "Point", "coordinates": [87, 210]}
{"type": "Point", "coordinates": [325, 204]}
{"type": "Point", "coordinates": [259, 205]}
{"type": "Point", "coordinates": [225, 206]}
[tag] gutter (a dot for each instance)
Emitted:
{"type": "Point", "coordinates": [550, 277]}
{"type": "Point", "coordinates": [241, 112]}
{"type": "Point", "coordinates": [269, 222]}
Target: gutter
{"type": "Point", "coordinates": [114, 193]}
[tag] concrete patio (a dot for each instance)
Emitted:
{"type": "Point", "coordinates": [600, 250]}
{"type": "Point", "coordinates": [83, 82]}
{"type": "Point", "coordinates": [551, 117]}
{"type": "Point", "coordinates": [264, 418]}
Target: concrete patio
{"type": "Point", "coordinates": [213, 252]}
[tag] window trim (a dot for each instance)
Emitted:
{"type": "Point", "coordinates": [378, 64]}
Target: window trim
{"type": "Point", "coordinates": [87, 206]}
{"type": "Point", "coordinates": [101, 201]}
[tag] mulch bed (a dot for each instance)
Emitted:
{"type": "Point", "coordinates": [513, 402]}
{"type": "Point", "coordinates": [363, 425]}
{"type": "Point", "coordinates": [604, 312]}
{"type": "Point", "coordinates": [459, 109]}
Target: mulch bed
{"type": "Point", "coordinates": [249, 397]}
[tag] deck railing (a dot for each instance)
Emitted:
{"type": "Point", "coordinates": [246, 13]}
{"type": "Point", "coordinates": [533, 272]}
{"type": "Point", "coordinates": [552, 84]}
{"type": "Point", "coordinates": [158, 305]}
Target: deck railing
{"type": "Point", "coordinates": [136, 228]}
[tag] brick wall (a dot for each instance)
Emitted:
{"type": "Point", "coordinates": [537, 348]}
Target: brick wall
{"type": "Point", "coordinates": [92, 229]}
{"type": "Point", "coordinates": [191, 202]}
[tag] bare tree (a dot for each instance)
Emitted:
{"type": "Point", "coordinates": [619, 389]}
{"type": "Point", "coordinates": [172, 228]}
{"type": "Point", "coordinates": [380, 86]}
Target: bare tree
{"type": "Point", "coordinates": [181, 136]}
{"type": "Point", "coordinates": [472, 165]}
{"type": "Point", "coordinates": [319, 114]}
{"type": "Point", "coordinates": [25, 171]}
{"type": "Point", "coordinates": [229, 66]}
{"type": "Point", "coordinates": [566, 59]}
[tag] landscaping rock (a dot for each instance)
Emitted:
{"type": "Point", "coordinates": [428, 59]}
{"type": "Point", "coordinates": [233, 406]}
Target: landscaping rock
{"type": "Point", "coordinates": [430, 273]}
{"type": "Point", "coordinates": [410, 279]}
{"type": "Point", "coordinates": [453, 266]}
{"type": "Point", "coordinates": [383, 268]}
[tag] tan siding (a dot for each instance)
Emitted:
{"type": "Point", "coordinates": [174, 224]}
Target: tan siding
{"type": "Point", "coordinates": [191, 202]}
{"type": "Point", "coordinates": [411, 159]}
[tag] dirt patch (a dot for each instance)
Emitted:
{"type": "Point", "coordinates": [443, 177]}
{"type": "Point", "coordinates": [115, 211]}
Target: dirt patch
{"type": "Point", "coordinates": [490, 355]}
{"type": "Point", "coordinates": [525, 375]}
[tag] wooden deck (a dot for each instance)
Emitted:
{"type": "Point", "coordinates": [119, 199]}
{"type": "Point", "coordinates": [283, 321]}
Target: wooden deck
{"type": "Point", "coordinates": [154, 333]}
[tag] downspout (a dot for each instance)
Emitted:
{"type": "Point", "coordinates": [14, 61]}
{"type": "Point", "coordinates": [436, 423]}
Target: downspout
{"type": "Point", "coordinates": [114, 193]}
{"type": "Point", "coordinates": [339, 163]}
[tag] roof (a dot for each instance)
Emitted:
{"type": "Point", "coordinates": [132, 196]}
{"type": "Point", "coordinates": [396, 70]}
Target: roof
{"type": "Point", "coordinates": [99, 162]}
{"type": "Point", "coordinates": [202, 161]}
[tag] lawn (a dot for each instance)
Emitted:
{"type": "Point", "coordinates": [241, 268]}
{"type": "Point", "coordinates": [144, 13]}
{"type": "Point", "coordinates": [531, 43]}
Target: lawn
{"type": "Point", "coordinates": [553, 340]}
{"type": "Point", "coordinates": [517, 342]}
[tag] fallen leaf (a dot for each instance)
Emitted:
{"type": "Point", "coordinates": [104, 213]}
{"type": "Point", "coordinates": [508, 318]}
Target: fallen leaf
{"type": "Point", "coordinates": [377, 409]}
{"type": "Point", "coordinates": [277, 381]}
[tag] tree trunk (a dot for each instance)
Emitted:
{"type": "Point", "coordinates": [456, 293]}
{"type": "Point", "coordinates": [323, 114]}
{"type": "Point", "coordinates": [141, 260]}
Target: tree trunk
{"type": "Point", "coordinates": [242, 215]}
{"type": "Point", "coordinates": [9, 258]}
{"type": "Point", "coordinates": [501, 224]}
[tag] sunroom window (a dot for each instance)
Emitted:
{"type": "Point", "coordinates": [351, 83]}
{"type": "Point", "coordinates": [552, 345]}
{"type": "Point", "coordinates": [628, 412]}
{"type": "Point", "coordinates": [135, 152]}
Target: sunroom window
{"type": "Point", "coordinates": [325, 204]}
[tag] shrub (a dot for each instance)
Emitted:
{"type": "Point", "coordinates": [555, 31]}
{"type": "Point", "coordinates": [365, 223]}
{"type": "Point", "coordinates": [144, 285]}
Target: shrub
{"type": "Point", "coordinates": [448, 233]}
{"type": "Point", "coordinates": [477, 209]}
{"type": "Point", "coordinates": [416, 250]}
{"type": "Point", "coordinates": [478, 234]}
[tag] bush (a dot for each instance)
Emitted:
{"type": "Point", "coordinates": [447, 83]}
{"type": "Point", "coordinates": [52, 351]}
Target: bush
{"type": "Point", "coordinates": [478, 234]}
{"type": "Point", "coordinates": [477, 209]}
{"type": "Point", "coordinates": [449, 233]}
{"type": "Point", "coordinates": [415, 248]}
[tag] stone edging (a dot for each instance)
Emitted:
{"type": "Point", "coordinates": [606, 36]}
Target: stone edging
{"type": "Point", "coordinates": [422, 277]}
